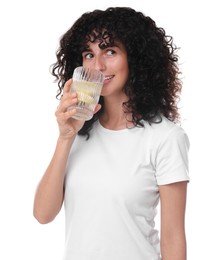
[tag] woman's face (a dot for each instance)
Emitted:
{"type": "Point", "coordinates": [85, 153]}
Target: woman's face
{"type": "Point", "coordinates": [112, 61]}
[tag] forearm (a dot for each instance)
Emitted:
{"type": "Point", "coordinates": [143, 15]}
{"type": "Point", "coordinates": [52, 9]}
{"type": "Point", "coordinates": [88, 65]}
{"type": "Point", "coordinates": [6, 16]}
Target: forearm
{"type": "Point", "coordinates": [173, 203]}
{"type": "Point", "coordinates": [174, 247]}
{"type": "Point", "coordinates": [50, 191]}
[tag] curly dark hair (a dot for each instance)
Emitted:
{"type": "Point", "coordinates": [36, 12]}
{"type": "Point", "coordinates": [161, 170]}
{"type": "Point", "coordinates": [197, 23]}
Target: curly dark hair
{"type": "Point", "coordinates": [153, 85]}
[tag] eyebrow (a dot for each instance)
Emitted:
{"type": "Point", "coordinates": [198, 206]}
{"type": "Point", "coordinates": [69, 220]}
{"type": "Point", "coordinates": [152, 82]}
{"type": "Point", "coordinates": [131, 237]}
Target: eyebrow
{"type": "Point", "coordinates": [86, 50]}
{"type": "Point", "coordinates": [115, 45]}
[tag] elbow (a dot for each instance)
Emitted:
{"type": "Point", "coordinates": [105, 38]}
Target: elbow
{"type": "Point", "coordinates": [45, 214]}
{"type": "Point", "coordinates": [42, 218]}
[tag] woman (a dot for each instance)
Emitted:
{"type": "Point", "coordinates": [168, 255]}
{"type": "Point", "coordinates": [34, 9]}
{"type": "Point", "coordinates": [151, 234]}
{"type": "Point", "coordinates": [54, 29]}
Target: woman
{"type": "Point", "coordinates": [112, 170]}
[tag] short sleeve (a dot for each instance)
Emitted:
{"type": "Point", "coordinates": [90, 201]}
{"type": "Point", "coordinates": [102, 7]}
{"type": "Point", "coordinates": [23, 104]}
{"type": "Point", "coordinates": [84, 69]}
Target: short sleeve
{"type": "Point", "coordinates": [172, 157]}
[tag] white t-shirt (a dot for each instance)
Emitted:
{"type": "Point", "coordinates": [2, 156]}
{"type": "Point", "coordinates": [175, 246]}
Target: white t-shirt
{"type": "Point", "coordinates": [111, 190]}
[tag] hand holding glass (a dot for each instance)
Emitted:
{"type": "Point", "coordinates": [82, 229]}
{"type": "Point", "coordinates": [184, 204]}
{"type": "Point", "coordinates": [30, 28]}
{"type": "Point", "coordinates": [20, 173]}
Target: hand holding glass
{"type": "Point", "coordinates": [87, 83]}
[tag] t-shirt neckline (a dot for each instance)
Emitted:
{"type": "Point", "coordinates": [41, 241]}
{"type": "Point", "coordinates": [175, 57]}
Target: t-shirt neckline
{"type": "Point", "coordinates": [110, 131]}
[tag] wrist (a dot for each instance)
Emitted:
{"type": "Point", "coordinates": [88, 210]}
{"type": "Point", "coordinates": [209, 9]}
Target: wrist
{"type": "Point", "coordinates": [65, 141]}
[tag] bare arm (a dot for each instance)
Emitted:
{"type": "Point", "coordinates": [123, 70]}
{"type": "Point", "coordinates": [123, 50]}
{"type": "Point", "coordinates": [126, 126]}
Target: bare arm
{"type": "Point", "coordinates": [50, 191]}
{"type": "Point", "coordinates": [173, 203]}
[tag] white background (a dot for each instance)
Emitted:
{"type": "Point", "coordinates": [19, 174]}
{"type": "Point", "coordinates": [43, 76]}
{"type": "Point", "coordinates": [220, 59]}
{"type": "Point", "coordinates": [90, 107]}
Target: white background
{"type": "Point", "coordinates": [29, 37]}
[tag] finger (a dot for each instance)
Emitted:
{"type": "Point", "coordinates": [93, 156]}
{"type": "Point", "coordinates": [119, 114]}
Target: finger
{"type": "Point", "coordinates": [67, 86]}
{"type": "Point", "coordinates": [63, 117]}
{"type": "Point", "coordinates": [65, 104]}
{"type": "Point", "coordinates": [67, 100]}
{"type": "Point", "coordinates": [97, 108]}
{"type": "Point", "coordinates": [69, 95]}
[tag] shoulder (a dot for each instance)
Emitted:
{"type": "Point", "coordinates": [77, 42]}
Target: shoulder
{"type": "Point", "coordinates": [165, 131]}
{"type": "Point", "coordinates": [163, 128]}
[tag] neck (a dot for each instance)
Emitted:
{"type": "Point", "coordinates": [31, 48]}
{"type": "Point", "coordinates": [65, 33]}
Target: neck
{"type": "Point", "coordinates": [114, 116]}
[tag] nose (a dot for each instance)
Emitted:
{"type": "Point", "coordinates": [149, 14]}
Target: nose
{"type": "Point", "coordinates": [99, 63]}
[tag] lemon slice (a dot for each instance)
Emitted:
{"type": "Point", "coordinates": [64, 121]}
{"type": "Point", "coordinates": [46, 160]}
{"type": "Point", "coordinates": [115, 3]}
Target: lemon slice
{"type": "Point", "coordinates": [84, 97]}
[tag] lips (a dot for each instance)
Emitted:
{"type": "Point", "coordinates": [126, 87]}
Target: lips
{"type": "Point", "coordinates": [108, 78]}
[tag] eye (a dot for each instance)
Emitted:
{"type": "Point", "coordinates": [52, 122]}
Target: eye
{"type": "Point", "coordinates": [87, 55]}
{"type": "Point", "coordinates": [110, 52]}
